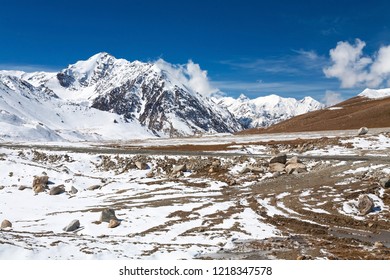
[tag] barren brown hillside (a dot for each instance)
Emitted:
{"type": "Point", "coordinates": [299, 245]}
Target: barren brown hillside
{"type": "Point", "coordinates": [350, 114]}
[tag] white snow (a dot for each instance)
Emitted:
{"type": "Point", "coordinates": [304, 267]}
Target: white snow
{"type": "Point", "coordinates": [375, 93]}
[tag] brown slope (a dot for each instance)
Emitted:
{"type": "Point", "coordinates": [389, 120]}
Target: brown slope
{"type": "Point", "coordinates": [355, 113]}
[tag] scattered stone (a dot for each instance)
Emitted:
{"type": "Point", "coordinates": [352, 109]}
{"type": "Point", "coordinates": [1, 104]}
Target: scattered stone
{"type": "Point", "coordinates": [363, 131]}
{"type": "Point", "coordinates": [301, 258]}
{"type": "Point", "coordinates": [23, 187]}
{"type": "Point", "coordinates": [113, 223]}
{"type": "Point", "coordinates": [74, 225]}
{"type": "Point", "coordinates": [73, 190]}
{"type": "Point", "coordinates": [150, 174]}
{"type": "Point", "coordinates": [107, 215]}
{"type": "Point", "coordinates": [211, 170]}
{"type": "Point", "coordinates": [296, 168]}
{"type": "Point", "coordinates": [280, 158]}
{"type": "Point", "coordinates": [293, 160]}
{"type": "Point", "coordinates": [179, 168]}
{"type": "Point", "coordinates": [141, 165]}
{"type": "Point", "coordinates": [276, 167]}
{"type": "Point", "coordinates": [57, 190]}
{"type": "Point", "coordinates": [245, 169]}
{"type": "Point", "coordinates": [39, 188]}
{"type": "Point", "coordinates": [365, 204]}
{"type": "Point", "coordinates": [385, 182]}
{"type": "Point", "coordinates": [216, 163]}
{"type": "Point", "coordinates": [255, 169]}
{"type": "Point", "coordinates": [41, 180]}
{"type": "Point", "coordinates": [379, 245]}
{"type": "Point", "coordinates": [6, 224]}
{"type": "Point", "coordinates": [94, 187]}
{"type": "Point", "coordinates": [232, 182]}
{"type": "Point", "coordinates": [2, 187]}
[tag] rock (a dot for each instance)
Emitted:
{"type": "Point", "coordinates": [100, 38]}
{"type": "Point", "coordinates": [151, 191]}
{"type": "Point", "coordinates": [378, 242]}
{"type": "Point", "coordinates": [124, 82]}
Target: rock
{"type": "Point", "coordinates": [150, 174]}
{"type": "Point", "coordinates": [57, 190]}
{"type": "Point", "coordinates": [365, 204]}
{"type": "Point", "coordinates": [107, 215]}
{"type": "Point", "coordinates": [113, 223]}
{"type": "Point", "coordinates": [232, 182]}
{"type": "Point", "coordinates": [295, 168]}
{"type": "Point", "coordinates": [363, 131]}
{"type": "Point", "coordinates": [40, 180]}
{"type": "Point", "coordinates": [276, 167]}
{"type": "Point", "coordinates": [21, 188]}
{"type": "Point", "coordinates": [280, 158]}
{"type": "Point", "coordinates": [6, 224]}
{"type": "Point", "coordinates": [73, 190]}
{"type": "Point", "coordinates": [216, 163]}
{"type": "Point", "coordinates": [293, 160]}
{"type": "Point", "coordinates": [74, 225]}
{"type": "Point", "coordinates": [385, 182]}
{"type": "Point", "coordinates": [179, 168]}
{"type": "Point", "coordinates": [94, 187]}
{"type": "Point", "coordinates": [211, 170]}
{"type": "Point", "coordinates": [379, 245]}
{"type": "Point", "coordinates": [39, 188]}
{"type": "Point", "coordinates": [245, 169]}
{"type": "Point", "coordinates": [301, 258]}
{"type": "Point", "coordinates": [255, 169]}
{"type": "Point", "coordinates": [141, 165]}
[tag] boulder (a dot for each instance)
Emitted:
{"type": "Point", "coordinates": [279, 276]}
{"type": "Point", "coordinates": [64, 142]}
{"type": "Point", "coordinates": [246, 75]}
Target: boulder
{"type": "Point", "coordinates": [292, 160]}
{"type": "Point", "coordinates": [255, 169]}
{"type": "Point", "coordinates": [39, 188]}
{"type": "Point", "coordinates": [363, 131]}
{"type": "Point", "coordinates": [94, 187]}
{"type": "Point", "coordinates": [6, 224]}
{"type": "Point", "coordinates": [295, 168]}
{"type": "Point", "coordinates": [179, 168]}
{"type": "Point", "coordinates": [41, 180]}
{"type": "Point", "coordinates": [141, 165]}
{"type": "Point", "coordinates": [385, 182]}
{"type": "Point", "coordinates": [245, 169]}
{"type": "Point", "coordinates": [57, 190]}
{"type": "Point", "coordinates": [280, 158]}
{"type": "Point", "coordinates": [365, 204]}
{"type": "Point", "coordinates": [73, 190]}
{"type": "Point", "coordinates": [74, 225]}
{"type": "Point", "coordinates": [107, 215]}
{"type": "Point", "coordinates": [276, 167]}
{"type": "Point", "coordinates": [113, 223]}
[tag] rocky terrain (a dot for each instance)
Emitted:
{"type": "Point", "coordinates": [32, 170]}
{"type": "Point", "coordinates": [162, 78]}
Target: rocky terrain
{"type": "Point", "coordinates": [307, 197]}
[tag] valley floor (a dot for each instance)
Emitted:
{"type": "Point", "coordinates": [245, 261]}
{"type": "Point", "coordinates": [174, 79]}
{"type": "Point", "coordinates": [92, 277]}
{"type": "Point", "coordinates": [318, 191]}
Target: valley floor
{"type": "Point", "coordinates": [204, 198]}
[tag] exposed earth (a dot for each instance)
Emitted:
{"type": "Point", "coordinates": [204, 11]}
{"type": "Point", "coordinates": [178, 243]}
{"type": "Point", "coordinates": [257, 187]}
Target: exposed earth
{"type": "Point", "coordinates": [327, 198]}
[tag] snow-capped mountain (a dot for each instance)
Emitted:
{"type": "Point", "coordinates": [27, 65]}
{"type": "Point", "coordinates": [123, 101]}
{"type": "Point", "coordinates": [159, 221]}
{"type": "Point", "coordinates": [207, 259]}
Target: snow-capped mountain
{"type": "Point", "coordinates": [31, 113]}
{"type": "Point", "coordinates": [267, 110]}
{"type": "Point", "coordinates": [108, 98]}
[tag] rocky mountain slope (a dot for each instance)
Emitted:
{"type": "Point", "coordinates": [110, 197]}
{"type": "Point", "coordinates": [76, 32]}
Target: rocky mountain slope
{"type": "Point", "coordinates": [267, 110]}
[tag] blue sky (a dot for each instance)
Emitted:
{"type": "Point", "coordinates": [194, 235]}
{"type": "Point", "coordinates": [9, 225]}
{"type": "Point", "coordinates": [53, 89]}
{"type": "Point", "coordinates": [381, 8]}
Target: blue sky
{"type": "Point", "coordinates": [251, 47]}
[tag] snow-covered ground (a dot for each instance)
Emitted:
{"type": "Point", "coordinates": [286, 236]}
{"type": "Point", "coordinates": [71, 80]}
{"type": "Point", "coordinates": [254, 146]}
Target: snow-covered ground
{"type": "Point", "coordinates": [175, 217]}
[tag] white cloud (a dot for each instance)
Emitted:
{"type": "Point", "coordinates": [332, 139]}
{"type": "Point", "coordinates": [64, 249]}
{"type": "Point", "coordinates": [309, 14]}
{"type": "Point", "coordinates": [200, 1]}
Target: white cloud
{"type": "Point", "coordinates": [190, 75]}
{"type": "Point", "coordinates": [353, 68]}
{"type": "Point", "coordinates": [331, 98]}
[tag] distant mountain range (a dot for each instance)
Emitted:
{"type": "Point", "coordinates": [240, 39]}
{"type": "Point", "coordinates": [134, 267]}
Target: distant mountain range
{"type": "Point", "coordinates": [370, 108]}
{"type": "Point", "coordinates": [106, 98]}
{"type": "Point", "coordinates": [267, 110]}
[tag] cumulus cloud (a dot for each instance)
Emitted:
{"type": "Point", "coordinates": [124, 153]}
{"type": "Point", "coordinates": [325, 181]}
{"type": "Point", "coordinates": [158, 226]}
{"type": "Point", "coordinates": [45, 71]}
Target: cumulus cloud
{"type": "Point", "coordinates": [190, 75]}
{"type": "Point", "coordinates": [353, 68]}
{"type": "Point", "coordinates": [331, 98]}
